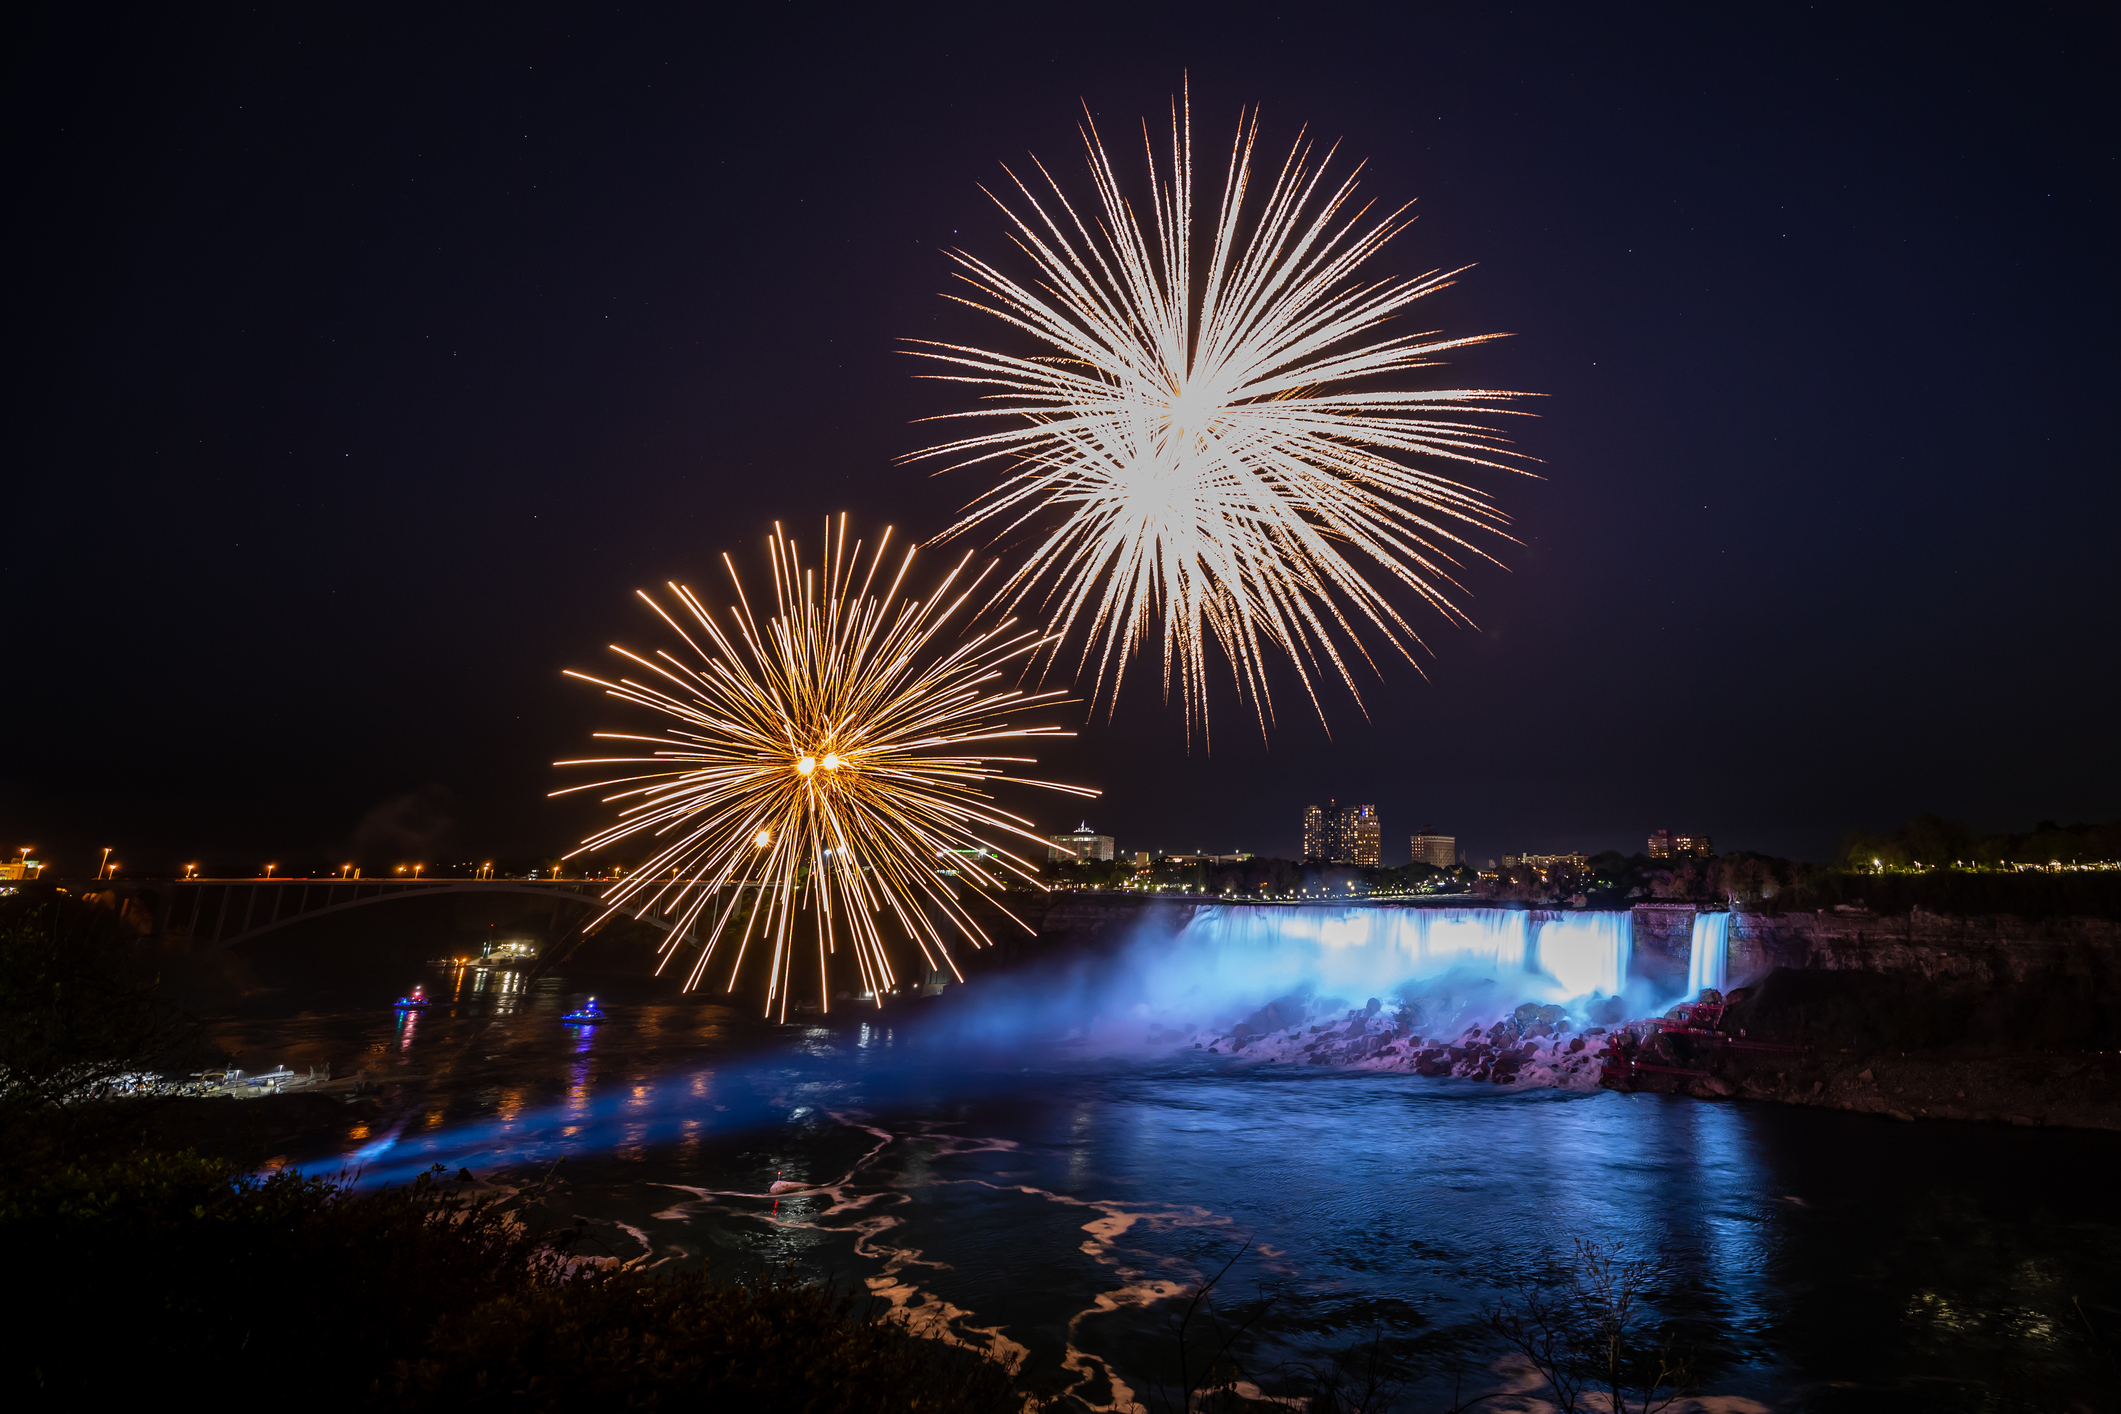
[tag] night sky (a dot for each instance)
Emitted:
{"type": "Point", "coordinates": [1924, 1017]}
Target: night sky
{"type": "Point", "coordinates": [366, 361]}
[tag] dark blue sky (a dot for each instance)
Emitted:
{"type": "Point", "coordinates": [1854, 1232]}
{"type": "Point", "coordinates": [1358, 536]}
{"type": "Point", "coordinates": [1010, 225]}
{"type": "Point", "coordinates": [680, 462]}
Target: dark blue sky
{"type": "Point", "coordinates": [365, 361]}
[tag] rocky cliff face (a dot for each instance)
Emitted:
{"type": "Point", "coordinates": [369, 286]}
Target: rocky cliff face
{"type": "Point", "coordinates": [1930, 979]}
{"type": "Point", "coordinates": [1664, 935]}
{"type": "Point", "coordinates": [1994, 950]}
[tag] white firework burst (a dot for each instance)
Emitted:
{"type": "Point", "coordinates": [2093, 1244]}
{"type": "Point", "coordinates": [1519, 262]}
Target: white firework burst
{"type": "Point", "coordinates": [1220, 426]}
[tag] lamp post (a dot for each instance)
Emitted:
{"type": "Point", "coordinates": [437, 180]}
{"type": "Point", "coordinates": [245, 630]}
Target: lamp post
{"type": "Point", "coordinates": [105, 862]}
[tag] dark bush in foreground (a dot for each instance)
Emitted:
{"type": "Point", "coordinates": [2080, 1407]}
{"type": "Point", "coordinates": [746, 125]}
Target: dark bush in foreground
{"type": "Point", "coordinates": [162, 1273]}
{"type": "Point", "coordinates": [598, 1341]}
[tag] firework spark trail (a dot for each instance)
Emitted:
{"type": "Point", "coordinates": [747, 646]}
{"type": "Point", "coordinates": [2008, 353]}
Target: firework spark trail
{"type": "Point", "coordinates": [1211, 437]}
{"type": "Point", "coordinates": [831, 761]}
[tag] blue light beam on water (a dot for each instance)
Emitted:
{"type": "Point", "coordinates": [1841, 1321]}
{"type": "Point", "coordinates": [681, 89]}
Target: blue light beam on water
{"type": "Point", "coordinates": [598, 1115]}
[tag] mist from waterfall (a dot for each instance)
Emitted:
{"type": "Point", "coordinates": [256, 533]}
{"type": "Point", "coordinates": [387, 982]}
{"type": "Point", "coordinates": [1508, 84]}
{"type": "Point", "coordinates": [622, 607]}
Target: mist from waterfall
{"type": "Point", "coordinates": [1449, 967]}
{"type": "Point", "coordinates": [1708, 954]}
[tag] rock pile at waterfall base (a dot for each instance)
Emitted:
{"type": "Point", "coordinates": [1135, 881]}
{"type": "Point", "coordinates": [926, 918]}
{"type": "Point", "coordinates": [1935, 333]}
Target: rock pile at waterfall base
{"type": "Point", "coordinates": [1537, 1047]}
{"type": "Point", "coordinates": [1540, 1047]}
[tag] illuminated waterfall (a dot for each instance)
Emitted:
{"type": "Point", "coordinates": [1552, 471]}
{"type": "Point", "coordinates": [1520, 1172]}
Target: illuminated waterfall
{"type": "Point", "coordinates": [1232, 953]}
{"type": "Point", "coordinates": [1709, 951]}
{"type": "Point", "coordinates": [1586, 952]}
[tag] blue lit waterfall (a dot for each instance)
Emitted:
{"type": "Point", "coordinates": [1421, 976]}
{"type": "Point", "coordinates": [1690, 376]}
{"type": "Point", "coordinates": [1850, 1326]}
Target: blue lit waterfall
{"type": "Point", "coordinates": [1709, 953]}
{"type": "Point", "coordinates": [1232, 957]}
{"type": "Point", "coordinates": [1585, 952]}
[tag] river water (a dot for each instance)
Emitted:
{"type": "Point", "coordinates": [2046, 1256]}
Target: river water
{"type": "Point", "coordinates": [1049, 1202]}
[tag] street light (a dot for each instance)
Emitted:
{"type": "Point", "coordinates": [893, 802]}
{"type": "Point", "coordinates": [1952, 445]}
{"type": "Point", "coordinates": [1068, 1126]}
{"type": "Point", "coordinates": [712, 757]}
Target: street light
{"type": "Point", "coordinates": [106, 861]}
{"type": "Point", "coordinates": [269, 868]}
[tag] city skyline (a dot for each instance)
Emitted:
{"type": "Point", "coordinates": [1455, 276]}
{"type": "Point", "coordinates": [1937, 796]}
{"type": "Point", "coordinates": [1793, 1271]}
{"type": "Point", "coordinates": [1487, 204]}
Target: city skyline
{"type": "Point", "coordinates": [1103, 845]}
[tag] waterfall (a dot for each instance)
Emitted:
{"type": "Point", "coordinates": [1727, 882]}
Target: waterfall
{"type": "Point", "coordinates": [1236, 952]}
{"type": "Point", "coordinates": [1586, 952]}
{"type": "Point", "coordinates": [1709, 952]}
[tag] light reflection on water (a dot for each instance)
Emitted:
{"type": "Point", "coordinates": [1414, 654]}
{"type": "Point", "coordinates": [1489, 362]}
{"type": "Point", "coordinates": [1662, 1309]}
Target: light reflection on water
{"type": "Point", "coordinates": [1050, 1201]}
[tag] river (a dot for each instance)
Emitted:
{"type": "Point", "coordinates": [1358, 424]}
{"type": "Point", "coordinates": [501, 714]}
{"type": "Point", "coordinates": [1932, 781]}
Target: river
{"type": "Point", "coordinates": [1046, 1200]}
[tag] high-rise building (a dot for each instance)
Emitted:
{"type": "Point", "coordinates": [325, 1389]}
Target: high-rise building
{"type": "Point", "coordinates": [1361, 837]}
{"type": "Point", "coordinates": [1432, 848]}
{"type": "Point", "coordinates": [1082, 847]}
{"type": "Point", "coordinates": [1666, 845]}
{"type": "Point", "coordinates": [1343, 834]}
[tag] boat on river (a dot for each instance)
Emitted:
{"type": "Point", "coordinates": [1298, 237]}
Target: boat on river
{"type": "Point", "coordinates": [583, 1015]}
{"type": "Point", "coordinates": [415, 1002]}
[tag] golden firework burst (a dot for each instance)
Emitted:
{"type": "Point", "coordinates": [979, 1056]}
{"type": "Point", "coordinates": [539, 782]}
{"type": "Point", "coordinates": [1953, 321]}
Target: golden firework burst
{"type": "Point", "coordinates": [831, 761]}
{"type": "Point", "coordinates": [1222, 431]}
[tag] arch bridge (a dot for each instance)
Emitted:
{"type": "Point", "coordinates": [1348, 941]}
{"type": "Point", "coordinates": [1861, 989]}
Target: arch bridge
{"type": "Point", "coordinates": [222, 913]}
{"type": "Point", "coordinates": [214, 914]}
